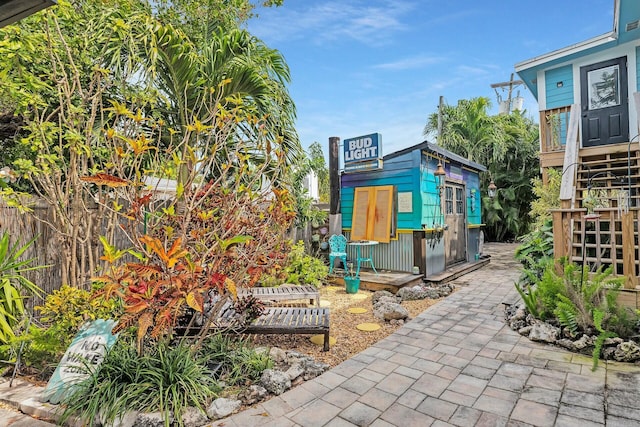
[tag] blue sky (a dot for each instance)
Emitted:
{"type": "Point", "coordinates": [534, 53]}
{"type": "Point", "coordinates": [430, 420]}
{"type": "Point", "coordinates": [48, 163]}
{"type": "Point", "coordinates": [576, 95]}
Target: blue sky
{"type": "Point", "coordinates": [365, 66]}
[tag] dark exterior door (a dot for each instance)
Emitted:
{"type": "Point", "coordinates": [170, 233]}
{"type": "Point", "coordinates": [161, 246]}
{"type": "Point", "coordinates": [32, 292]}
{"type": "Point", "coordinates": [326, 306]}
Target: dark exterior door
{"type": "Point", "coordinates": [455, 218]}
{"type": "Point", "coordinates": [605, 111]}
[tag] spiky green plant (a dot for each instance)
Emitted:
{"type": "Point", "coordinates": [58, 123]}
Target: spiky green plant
{"type": "Point", "coordinates": [167, 378]}
{"type": "Point", "coordinates": [14, 286]}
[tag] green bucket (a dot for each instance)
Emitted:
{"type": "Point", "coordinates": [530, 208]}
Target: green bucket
{"type": "Point", "coordinates": [352, 284]}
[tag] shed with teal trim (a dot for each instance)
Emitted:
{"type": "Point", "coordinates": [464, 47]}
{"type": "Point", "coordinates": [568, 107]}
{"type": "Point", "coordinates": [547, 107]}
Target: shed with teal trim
{"type": "Point", "coordinates": [434, 221]}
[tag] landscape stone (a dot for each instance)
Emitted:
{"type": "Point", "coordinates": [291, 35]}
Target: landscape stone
{"type": "Point", "coordinates": [222, 407]}
{"type": "Point", "coordinates": [388, 311]}
{"type": "Point", "coordinates": [544, 332]}
{"type": "Point", "coordinates": [255, 393]}
{"type": "Point", "coordinates": [313, 369]}
{"type": "Point", "coordinates": [126, 420]}
{"type": "Point", "coordinates": [295, 371]}
{"type": "Point", "coordinates": [193, 417]}
{"type": "Point", "coordinates": [151, 419]}
{"type": "Point", "coordinates": [628, 351]}
{"type": "Point", "coordinates": [276, 382]}
{"type": "Point", "coordinates": [277, 354]}
{"type": "Point", "coordinates": [379, 294]}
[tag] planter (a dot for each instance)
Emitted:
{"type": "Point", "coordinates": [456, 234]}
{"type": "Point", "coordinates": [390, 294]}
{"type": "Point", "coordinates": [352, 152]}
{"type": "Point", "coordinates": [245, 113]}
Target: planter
{"type": "Point", "coordinates": [324, 245]}
{"type": "Point", "coordinates": [352, 284]}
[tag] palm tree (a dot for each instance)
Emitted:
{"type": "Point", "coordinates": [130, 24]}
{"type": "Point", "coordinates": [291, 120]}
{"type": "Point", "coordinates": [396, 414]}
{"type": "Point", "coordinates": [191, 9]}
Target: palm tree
{"type": "Point", "coordinates": [467, 130]}
{"type": "Point", "coordinates": [241, 71]}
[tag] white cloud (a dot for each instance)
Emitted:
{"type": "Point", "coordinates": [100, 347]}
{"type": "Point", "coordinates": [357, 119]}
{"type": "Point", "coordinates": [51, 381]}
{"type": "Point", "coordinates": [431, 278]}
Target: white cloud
{"type": "Point", "coordinates": [368, 22]}
{"type": "Point", "coordinates": [410, 63]}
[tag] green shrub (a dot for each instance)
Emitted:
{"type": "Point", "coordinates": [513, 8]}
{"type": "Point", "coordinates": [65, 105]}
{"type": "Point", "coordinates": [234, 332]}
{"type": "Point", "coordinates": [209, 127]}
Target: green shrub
{"type": "Point", "coordinates": [234, 360]}
{"type": "Point", "coordinates": [69, 307]}
{"type": "Point", "coordinates": [166, 378]}
{"type": "Point", "coordinates": [300, 268]}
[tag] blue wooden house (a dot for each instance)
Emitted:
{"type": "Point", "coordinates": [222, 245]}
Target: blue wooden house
{"type": "Point", "coordinates": [589, 101]}
{"type": "Point", "coordinates": [419, 217]}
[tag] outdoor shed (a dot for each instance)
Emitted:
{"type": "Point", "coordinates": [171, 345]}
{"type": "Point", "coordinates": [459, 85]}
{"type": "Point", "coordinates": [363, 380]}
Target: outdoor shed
{"type": "Point", "coordinates": [421, 218]}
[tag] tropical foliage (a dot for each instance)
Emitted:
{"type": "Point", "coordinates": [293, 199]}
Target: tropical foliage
{"type": "Point", "coordinates": [14, 286]}
{"type": "Point", "coordinates": [580, 301]}
{"type": "Point", "coordinates": [82, 70]}
{"type": "Point", "coordinates": [507, 145]}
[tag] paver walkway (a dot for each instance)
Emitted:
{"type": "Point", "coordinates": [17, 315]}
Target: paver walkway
{"type": "Point", "coordinates": [459, 364]}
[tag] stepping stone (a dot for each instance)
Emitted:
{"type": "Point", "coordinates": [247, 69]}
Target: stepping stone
{"type": "Point", "coordinates": [325, 303]}
{"type": "Point", "coordinates": [359, 296]}
{"type": "Point", "coordinates": [357, 310]}
{"type": "Point", "coordinates": [319, 339]}
{"type": "Point", "coordinates": [368, 327]}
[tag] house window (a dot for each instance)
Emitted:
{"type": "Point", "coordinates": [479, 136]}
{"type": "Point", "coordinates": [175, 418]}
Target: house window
{"type": "Point", "coordinates": [374, 213]}
{"type": "Point", "coordinates": [604, 87]}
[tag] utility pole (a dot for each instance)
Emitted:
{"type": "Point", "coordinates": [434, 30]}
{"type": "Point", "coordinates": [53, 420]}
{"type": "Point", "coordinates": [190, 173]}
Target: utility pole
{"type": "Point", "coordinates": [511, 84]}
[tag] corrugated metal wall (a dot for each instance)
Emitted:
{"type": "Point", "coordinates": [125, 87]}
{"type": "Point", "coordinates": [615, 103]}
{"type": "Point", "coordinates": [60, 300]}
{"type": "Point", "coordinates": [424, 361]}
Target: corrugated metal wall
{"type": "Point", "coordinates": [396, 255]}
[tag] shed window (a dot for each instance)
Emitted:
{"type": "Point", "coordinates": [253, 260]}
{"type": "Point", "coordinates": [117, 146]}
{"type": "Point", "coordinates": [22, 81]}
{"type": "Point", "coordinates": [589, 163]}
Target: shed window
{"type": "Point", "coordinates": [448, 201]}
{"type": "Point", "coordinates": [374, 213]}
{"type": "Point", "coordinates": [459, 202]}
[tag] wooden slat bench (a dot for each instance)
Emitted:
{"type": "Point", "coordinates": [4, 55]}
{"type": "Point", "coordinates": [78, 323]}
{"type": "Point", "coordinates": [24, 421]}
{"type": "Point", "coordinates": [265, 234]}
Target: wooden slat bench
{"type": "Point", "coordinates": [283, 293]}
{"type": "Point", "coordinates": [283, 320]}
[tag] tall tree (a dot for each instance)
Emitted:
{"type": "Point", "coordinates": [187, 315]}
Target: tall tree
{"type": "Point", "coordinates": [507, 145]}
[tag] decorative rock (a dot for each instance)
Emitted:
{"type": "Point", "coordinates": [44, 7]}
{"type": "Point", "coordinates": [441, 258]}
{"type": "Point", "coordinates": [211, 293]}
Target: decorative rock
{"type": "Point", "coordinates": [255, 393]}
{"type": "Point", "coordinates": [584, 342]}
{"type": "Point", "coordinates": [193, 417]}
{"type": "Point", "coordinates": [278, 355]}
{"type": "Point", "coordinates": [417, 293]}
{"type": "Point", "coordinates": [609, 342]}
{"type": "Point", "coordinates": [126, 420]}
{"type": "Point", "coordinates": [608, 352]}
{"type": "Point", "coordinates": [379, 294]}
{"type": "Point", "coordinates": [544, 332]}
{"type": "Point", "coordinates": [276, 382]}
{"type": "Point", "coordinates": [294, 357]}
{"type": "Point", "coordinates": [520, 314]}
{"type": "Point", "coordinates": [295, 371]}
{"type": "Point", "coordinates": [628, 351]}
{"type": "Point", "coordinates": [151, 419]}
{"type": "Point", "coordinates": [389, 311]}
{"type": "Point", "coordinates": [313, 369]}
{"type": "Point", "coordinates": [525, 331]}
{"type": "Point", "coordinates": [566, 343]}
{"type": "Point", "coordinates": [389, 300]}
{"type": "Point", "coordinates": [222, 407]}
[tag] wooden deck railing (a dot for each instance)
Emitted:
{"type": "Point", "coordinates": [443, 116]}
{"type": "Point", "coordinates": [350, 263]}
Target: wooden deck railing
{"type": "Point", "coordinates": [553, 129]}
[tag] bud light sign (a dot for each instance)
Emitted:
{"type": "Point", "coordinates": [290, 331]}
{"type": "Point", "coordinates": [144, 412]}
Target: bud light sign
{"type": "Point", "coordinates": [362, 152]}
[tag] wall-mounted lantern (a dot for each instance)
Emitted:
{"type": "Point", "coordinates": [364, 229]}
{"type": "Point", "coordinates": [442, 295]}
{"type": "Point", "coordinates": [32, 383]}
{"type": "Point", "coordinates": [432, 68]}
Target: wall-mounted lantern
{"type": "Point", "coordinates": [492, 189]}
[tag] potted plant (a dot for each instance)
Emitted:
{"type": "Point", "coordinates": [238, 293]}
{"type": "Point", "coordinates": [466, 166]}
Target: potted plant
{"type": "Point", "coordinates": [351, 281]}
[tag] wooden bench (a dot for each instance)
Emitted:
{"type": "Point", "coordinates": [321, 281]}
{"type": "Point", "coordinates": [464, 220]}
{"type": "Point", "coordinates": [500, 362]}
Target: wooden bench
{"type": "Point", "coordinates": [274, 320]}
{"type": "Point", "coordinates": [283, 293]}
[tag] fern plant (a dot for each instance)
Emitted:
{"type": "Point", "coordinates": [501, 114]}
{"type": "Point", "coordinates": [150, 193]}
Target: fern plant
{"type": "Point", "coordinates": [567, 314]}
{"type": "Point", "coordinates": [598, 318]}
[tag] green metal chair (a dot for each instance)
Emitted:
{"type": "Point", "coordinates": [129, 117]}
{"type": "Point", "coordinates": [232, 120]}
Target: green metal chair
{"type": "Point", "coordinates": [338, 249]}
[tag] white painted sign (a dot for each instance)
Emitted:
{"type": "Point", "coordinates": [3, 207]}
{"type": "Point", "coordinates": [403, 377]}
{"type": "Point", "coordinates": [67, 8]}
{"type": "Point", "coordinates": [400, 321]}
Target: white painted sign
{"type": "Point", "coordinates": [84, 355]}
{"type": "Point", "coordinates": [405, 202]}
